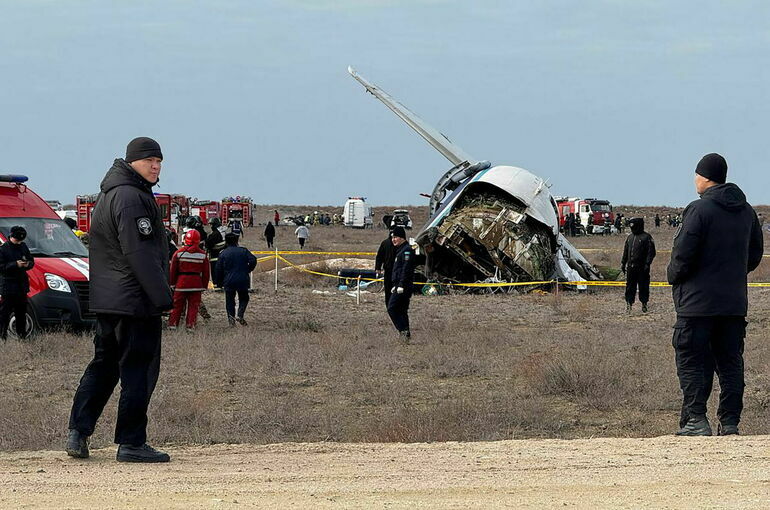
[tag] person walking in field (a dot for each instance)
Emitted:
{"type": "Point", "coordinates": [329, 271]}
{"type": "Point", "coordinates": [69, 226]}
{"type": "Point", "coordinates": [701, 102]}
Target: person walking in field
{"type": "Point", "coordinates": [402, 278]}
{"type": "Point", "coordinates": [189, 279]}
{"type": "Point", "coordinates": [638, 254]}
{"type": "Point", "coordinates": [129, 290]}
{"type": "Point", "coordinates": [233, 268]}
{"type": "Point", "coordinates": [276, 218]}
{"type": "Point", "coordinates": [269, 234]}
{"type": "Point", "coordinates": [718, 243]}
{"type": "Point", "coordinates": [303, 234]}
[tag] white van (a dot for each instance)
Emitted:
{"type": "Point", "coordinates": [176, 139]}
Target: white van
{"type": "Point", "coordinates": [357, 213]}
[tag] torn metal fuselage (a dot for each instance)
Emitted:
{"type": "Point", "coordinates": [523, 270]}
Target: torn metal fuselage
{"type": "Point", "coordinates": [488, 223]}
{"type": "Point", "coordinates": [499, 225]}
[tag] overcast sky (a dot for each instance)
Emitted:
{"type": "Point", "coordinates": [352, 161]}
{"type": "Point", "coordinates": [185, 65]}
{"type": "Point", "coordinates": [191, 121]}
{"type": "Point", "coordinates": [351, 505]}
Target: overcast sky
{"type": "Point", "coordinates": [616, 99]}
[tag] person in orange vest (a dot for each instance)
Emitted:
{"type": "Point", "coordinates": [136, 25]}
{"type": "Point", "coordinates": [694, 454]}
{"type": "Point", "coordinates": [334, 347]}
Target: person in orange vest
{"type": "Point", "coordinates": [189, 278]}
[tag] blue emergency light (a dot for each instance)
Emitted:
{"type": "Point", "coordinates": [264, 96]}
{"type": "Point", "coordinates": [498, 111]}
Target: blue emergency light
{"type": "Point", "coordinates": [14, 178]}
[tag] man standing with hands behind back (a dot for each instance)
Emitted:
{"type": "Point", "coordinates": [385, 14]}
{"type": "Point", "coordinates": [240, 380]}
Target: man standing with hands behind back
{"type": "Point", "coordinates": [718, 243]}
{"type": "Point", "coordinates": [15, 261]}
{"type": "Point", "coordinates": [129, 290]}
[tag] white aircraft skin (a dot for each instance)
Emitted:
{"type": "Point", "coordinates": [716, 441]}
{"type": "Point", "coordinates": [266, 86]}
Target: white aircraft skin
{"type": "Point", "coordinates": [519, 183]}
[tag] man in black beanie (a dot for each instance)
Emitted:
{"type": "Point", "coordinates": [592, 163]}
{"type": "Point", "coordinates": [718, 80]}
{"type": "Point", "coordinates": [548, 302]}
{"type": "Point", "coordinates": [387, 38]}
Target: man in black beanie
{"type": "Point", "coordinates": [402, 278]}
{"type": "Point", "coordinates": [718, 243]}
{"type": "Point", "coordinates": [128, 291]}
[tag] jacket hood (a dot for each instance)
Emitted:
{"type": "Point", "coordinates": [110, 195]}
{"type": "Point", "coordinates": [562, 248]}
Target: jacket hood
{"type": "Point", "coordinates": [121, 174]}
{"type": "Point", "coordinates": [728, 195]}
{"type": "Point", "coordinates": [637, 225]}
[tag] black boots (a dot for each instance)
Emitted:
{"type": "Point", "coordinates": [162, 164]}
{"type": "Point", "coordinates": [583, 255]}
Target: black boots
{"type": "Point", "coordinates": [77, 445]}
{"type": "Point", "coordinates": [697, 425]}
{"type": "Point", "coordinates": [727, 430]}
{"type": "Point", "coordinates": [143, 453]}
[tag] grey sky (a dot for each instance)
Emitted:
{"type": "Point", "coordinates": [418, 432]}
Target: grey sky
{"type": "Point", "coordinates": [616, 99]}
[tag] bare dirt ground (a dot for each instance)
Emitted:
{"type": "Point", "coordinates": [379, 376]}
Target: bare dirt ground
{"type": "Point", "coordinates": [662, 472]}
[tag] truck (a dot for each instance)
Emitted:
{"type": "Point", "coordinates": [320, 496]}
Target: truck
{"type": "Point", "coordinates": [357, 213]}
{"type": "Point", "coordinates": [205, 209]}
{"type": "Point", "coordinates": [84, 205]}
{"type": "Point", "coordinates": [595, 216]}
{"type": "Point", "coordinates": [58, 283]}
{"type": "Point", "coordinates": [236, 208]}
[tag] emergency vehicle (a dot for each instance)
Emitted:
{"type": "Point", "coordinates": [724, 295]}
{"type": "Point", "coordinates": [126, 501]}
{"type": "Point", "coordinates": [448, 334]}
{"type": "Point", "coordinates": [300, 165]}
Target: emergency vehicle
{"type": "Point", "coordinates": [593, 214]}
{"type": "Point", "coordinates": [58, 283]}
{"type": "Point", "coordinates": [173, 209]}
{"type": "Point", "coordinates": [85, 207]}
{"type": "Point", "coordinates": [357, 213]}
{"type": "Point", "coordinates": [206, 209]}
{"type": "Point", "coordinates": [236, 208]}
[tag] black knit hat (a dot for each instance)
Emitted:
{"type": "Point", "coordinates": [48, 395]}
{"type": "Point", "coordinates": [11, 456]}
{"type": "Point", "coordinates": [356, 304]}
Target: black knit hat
{"type": "Point", "coordinates": [142, 147]}
{"type": "Point", "coordinates": [18, 232]}
{"type": "Point", "coordinates": [713, 167]}
{"type": "Point", "coordinates": [398, 232]}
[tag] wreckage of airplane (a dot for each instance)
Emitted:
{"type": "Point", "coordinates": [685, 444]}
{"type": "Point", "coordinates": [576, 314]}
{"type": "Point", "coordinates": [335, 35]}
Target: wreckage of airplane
{"type": "Point", "coordinates": [489, 223]}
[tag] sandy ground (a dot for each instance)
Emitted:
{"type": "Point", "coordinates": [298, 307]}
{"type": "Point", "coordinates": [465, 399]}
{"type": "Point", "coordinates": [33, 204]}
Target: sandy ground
{"type": "Point", "coordinates": [663, 472]}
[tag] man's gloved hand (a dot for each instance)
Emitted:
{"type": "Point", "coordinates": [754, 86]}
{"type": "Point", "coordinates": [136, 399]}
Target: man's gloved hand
{"type": "Point", "coordinates": [646, 269]}
{"type": "Point", "coordinates": [393, 290]}
{"type": "Point", "coordinates": [399, 290]}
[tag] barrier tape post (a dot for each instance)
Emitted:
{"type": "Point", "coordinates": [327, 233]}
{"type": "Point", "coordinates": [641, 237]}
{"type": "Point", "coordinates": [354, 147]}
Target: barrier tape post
{"type": "Point", "coordinates": [276, 270]}
{"type": "Point", "coordinates": [358, 290]}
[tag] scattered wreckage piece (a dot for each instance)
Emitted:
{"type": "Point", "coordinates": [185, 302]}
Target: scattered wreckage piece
{"type": "Point", "coordinates": [489, 223]}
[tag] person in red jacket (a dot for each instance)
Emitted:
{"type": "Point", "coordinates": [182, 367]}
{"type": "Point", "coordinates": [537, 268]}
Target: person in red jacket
{"type": "Point", "coordinates": [189, 278]}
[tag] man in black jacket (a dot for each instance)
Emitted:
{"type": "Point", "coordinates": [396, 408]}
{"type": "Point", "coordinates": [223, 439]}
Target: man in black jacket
{"type": "Point", "coordinates": [233, 268]}
{"type": "Point", "coordinates": [402, 278]}
{"type": "Point", "coordinates": [15, 261]}
{"type": "Point", "coordinates": [718, 243]}
{"type": "Point", "coordinates": [383, 264]}
{"type": "Point", "coordinates": [638, 254]}
{"type": "Point", "coordinates": [129, 290]}
{"type": "Point", "coordinates": [215, 243]}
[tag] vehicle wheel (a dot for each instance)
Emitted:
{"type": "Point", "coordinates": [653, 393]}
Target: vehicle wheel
{"type": "Point", "coordinates": [32, 326]}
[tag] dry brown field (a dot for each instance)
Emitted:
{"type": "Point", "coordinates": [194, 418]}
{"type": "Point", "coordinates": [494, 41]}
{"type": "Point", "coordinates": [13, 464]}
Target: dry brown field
{"type": "Point", "coordinates": [317, 367]}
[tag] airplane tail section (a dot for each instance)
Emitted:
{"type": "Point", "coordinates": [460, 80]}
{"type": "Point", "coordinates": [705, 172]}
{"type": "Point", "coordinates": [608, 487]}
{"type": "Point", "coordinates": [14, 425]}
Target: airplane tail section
{"type": "Point", "coordinates": [434, 137]}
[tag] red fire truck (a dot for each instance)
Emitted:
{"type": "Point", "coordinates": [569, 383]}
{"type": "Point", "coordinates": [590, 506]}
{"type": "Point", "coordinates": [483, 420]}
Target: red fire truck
{"type": "Point", "coordinates": [206, 209]}
{"type": "Point", "coordinates": [595, 216]}
{"type": "Point", "coordinates": [85, 207]}
{"type": "Point", "coordinates": [58, 283]}
{"type": "Point", "coordinates": [236, 208]}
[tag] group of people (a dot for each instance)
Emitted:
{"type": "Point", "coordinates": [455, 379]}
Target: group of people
{"type": "Point", "coordinates": [718, 243]}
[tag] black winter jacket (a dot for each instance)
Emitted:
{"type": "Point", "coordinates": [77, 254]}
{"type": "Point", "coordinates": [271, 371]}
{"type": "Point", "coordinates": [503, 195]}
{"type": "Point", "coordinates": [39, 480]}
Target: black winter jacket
{"type": "Point", "coordinates": [233, 268]}
{"type": "Point", "coordinates": [215, 243]}
{"type": "Point", "coordinates": [639, 250]}
{"type": "Point", "coordinates": [13, 279]}
{"type": "Point", "coordinates": [403, 267]}
{"type": "Point", "coordinates": [386, 255]}
{"type": "Point", "coordinates": [129, 248]}
{"type": "Point", "coordinates": [718, 243]}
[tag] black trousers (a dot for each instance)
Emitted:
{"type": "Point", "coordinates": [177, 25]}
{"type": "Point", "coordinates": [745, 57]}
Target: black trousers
{"type": "Point", "coordinates": [126, 349]}
{"type": "Point", "coordinates": [637, 277]}
{"type": "Point", "coordinates": [387, 282]}
{"type": "Point", "coordinates": [704, 345]}
{"type": "Point", "coordinates": [15, 304]}
{"type": "Point", "coordinates": [398, 309]}
{"type": "Point", "coordinates": [269, 242]}
{"type": "Point", "coordinates": [301, 242]}
{"type": "Point", "coordinates": [243, 300]}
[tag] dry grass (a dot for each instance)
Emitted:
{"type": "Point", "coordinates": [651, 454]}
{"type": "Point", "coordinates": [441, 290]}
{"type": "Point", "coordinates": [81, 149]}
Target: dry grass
{"type": "Point", "coordinates": [313, 367]}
